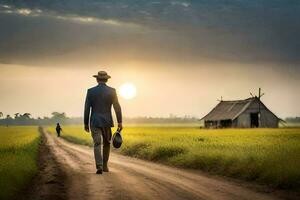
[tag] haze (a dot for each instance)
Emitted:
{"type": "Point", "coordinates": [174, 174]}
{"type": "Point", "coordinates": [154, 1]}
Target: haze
{"type": "Point", "coordinates": [181, 55]}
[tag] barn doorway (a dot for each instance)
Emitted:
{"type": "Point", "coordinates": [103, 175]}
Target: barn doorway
{"type": "Point", "coordinates": [226, 123]}
{"type": "Point", "coordinates": [254, 120]}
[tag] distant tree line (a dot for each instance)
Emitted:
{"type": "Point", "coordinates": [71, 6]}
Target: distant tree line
{"type": "Point", "coordinates": [57, 117]}
{"type": "Point", "coordinates": [27, 119]}
{"type": "Point", "coordinates": [292, 119]}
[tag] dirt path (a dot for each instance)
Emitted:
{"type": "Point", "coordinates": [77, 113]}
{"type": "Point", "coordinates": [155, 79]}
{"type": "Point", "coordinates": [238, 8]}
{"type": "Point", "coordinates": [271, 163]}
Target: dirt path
{"type": "Point", "coordinates": [136, 179]}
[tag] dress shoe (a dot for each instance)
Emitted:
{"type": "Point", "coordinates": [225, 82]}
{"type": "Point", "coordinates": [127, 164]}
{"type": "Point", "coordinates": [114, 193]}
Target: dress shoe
{"type": "Point", "coordinates": [99, 171]}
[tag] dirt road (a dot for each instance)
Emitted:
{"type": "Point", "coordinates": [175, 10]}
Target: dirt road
{"type": "Point", "coordinates": [136, 179]}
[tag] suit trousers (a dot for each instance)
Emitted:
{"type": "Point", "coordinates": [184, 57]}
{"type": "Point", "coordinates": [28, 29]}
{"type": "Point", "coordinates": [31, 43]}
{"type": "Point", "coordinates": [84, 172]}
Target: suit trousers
{"type": "Point", "coordinates": [101, 137]}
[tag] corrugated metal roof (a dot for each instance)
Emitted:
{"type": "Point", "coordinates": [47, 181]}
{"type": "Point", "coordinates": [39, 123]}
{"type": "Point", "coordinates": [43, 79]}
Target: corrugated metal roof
{"type": "Point", "coordinates": [226, 110]}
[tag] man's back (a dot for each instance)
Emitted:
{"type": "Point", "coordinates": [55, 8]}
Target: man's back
{"type": "Point", "coordinates": [99, 100]}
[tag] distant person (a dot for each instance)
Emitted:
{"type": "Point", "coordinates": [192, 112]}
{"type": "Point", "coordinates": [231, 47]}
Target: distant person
{"type": "Point", "coordinates": [99, 101]}
{"type": "Point", "coordinates": [58, 129]}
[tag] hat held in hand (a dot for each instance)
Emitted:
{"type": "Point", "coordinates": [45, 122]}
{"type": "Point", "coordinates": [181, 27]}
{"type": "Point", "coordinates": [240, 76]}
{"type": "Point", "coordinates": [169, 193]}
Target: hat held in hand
{"type": "Point", "coordinates": [117, 139]}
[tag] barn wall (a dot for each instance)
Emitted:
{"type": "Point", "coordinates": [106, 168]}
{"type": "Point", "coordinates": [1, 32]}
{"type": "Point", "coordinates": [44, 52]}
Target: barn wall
{"type": "Point", "coordinates": [267, 118]}
{"type": "Point", "coordinates": [243, 121]}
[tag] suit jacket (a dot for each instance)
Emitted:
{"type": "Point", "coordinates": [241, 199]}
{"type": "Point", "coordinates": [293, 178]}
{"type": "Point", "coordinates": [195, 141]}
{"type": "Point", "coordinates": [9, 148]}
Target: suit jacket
{"type": "Point", "coordinates": [98, 104]}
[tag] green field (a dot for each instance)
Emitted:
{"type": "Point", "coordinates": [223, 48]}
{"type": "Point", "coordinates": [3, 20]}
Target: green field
{"type": "Point", "coordinates": [269, 156]}
{"type": "Point", "coordinates": [18, 158]}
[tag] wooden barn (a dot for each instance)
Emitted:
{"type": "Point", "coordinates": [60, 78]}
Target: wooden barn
{"type": "Point", "coordinates": [248, 113]}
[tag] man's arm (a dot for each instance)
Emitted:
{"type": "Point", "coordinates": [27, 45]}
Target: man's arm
{"type": "Point", "coordinates": [117, 109]}
{"type": "Point", "coordinates": [87, 108]}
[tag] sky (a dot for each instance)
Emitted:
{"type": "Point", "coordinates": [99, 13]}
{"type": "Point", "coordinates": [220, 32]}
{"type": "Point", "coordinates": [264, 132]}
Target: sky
{"type": "Point", "coordinates": [182, 55]}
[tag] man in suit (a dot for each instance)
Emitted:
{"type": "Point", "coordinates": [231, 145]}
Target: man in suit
{"type": "Point", "coordinates": [98, 118]}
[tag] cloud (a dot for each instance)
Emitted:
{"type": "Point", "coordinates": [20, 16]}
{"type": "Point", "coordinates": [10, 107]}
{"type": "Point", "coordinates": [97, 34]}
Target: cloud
{"type": "Point", "coordinates": [19, 11]}
{"type": "Point", "coordinates": [6, 9]}
{"type": "Point", "coordinates": [180, 3]}
{"type": "Point", "coordinates": [238, 31]}
{"type": "Point", "coordinates": [5, 6]}
{"type": "Point", "coordinates": [92, 20]}
{"type": "Point", "coordinates": [24, 11]}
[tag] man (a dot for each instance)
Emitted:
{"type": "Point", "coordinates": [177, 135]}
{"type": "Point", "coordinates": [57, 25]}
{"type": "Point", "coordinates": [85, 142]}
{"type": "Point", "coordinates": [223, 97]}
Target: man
{"type": "Point", "coordinates": [99, 101]}
{"type": "Point", "coordinates": [58, 129]}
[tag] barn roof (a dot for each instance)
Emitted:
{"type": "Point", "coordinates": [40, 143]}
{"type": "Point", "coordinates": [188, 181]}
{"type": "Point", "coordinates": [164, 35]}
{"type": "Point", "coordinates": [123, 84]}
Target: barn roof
{"type": "Point", "coordinates": [226, 110]}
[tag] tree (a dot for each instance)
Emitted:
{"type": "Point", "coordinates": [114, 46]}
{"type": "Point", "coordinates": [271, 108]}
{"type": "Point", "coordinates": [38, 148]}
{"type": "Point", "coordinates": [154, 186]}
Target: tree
{"type": "Point", "coordinates": [26, 116]}
{"type": "Point", "coordinates": [8, 120]}
{"type": "Point", "coordinates": [17, 115]}
{"type": "Point", "coordinates": [57, 115]}
{"type": "Point", "coordinates": [23, 119]}
{"type": "Point", "coordinates": [1, 114]}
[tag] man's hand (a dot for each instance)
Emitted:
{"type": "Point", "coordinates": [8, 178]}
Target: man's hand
{"type": "Point", "coordinates": [120, 126]}
{"type": "Point", "coordinates": [86, 128]}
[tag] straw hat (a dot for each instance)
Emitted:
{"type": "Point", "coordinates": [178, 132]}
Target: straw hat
{"type": "Point", "coordinates": [102, 75]}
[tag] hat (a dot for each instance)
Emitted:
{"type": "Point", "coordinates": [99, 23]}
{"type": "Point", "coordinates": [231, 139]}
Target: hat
{"type": "Point", "coordinates": [117, 139]}
{"type": "Point", "coordinates": [102, 75]}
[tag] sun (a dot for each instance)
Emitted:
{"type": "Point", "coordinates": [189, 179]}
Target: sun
{"type": "Point", "coordinates": [127, 91]}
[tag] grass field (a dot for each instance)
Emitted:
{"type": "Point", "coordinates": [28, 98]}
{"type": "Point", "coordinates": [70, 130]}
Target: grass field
{"type": "Point", "coordinates": [18, 163]}
{"type": "Point", "coordinates": [269, 156]}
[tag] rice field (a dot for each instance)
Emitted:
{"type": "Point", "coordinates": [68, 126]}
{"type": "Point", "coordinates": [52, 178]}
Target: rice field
{"type": "Point", "coordinates": [18, 158]}
{"type": "Point", "coordinates": [268, 156]}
